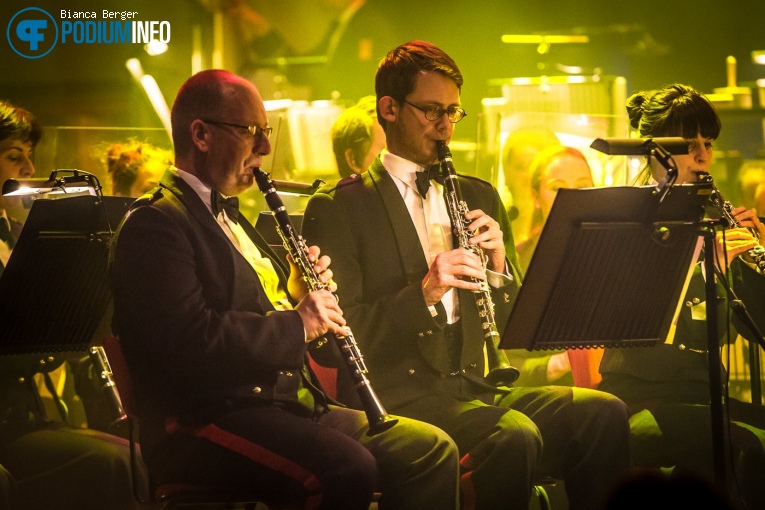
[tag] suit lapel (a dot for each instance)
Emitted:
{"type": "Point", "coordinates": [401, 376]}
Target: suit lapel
{"type": "Point", "coordinates": [433, 348]}
{"type": "Point", "coordinates": [243, 276]}
{"type": "Point", "coordinates": [410, 250]}
{"type": "Point", "coordinates": [279, 264]}
{"type": "Point", "coordinates": [193, 203]}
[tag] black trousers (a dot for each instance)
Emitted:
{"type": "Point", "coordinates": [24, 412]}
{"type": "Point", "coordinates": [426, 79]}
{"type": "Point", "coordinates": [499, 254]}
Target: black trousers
{"type": "Point", "coordinates": [574, 434]}
{"type": "Point", "coordinates": [328, 463]}
{"type": "Point", "coordinates": [57, 466]}
{"type": "Point", "coordinates": [672, 429]}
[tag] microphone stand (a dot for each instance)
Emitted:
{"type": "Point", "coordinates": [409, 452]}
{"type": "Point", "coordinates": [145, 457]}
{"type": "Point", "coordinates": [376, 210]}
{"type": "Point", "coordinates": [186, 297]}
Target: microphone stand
{"type": "Point", "coordinates": [651, 147]}
{"type": "Point", "coordinates": [739, 308]}
{"type": "Point", "coordinates": [665, 158]}
{"type": "Point", "coordinates": [713, 348]}
{"type": "Point", "coordinates": [714, 361]}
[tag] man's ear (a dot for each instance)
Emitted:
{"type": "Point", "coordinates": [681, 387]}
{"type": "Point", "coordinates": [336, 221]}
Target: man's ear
{"type": "Point", "coordinates": [200, 135]}
{"type": "Point", "coordinates": [351, 160]}
{"type": "Point", "coordinates": [388, 108]}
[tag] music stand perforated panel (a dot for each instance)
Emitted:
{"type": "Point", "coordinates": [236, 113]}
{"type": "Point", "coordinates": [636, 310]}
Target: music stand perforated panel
{"type": "Point", "coordinates": [54, 291]}
{"type": "Point", "coordinates": [609, 270]}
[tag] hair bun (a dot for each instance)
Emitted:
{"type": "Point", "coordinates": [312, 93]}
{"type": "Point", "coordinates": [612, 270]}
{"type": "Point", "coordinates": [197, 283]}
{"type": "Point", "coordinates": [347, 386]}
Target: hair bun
{"type": "Point", "coordinates": [635, 108]}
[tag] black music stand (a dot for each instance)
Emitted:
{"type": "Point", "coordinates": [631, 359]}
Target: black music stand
{"type": "Point", "coordinates": [610, 269]}
{"type": "Point", "coordinates": [54, 292]}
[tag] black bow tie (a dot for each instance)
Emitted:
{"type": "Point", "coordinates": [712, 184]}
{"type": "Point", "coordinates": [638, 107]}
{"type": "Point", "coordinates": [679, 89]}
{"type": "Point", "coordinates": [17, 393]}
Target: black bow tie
{"type": "Point", "coordinates": [230, 205]}
{"type": "Point", "coordinates": [424, 177]}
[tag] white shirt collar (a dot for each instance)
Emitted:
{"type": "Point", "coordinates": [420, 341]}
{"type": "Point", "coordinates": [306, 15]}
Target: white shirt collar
{"type": "Point", "coordinates": [198, 186]}
{"type": "Point", "coordinates": [400, 168]}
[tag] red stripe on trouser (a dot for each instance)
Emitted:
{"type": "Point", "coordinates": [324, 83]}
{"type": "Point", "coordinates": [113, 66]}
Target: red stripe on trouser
{"type": "Point", "coordinates": [466, 483]}
{"type": "Point", "coordinates": [265, 457]}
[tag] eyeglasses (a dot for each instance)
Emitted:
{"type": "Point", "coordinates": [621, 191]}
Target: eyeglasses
{"type": "Point", "coordinates": [254, 130]}
{"type": "Point", "coordinates": [435, 112]}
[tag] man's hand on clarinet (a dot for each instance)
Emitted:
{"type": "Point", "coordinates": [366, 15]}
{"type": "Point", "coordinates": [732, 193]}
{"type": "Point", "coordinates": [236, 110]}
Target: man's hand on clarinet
{"type": "Point", "coordinates": [296, 285]}
{"type": "Point", "coordinates": [452, 269]}
{"type": "Point", "coordinates": [489, 238]}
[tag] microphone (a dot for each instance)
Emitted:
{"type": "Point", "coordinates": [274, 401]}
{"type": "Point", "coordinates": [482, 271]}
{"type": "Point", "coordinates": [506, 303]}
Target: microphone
{"type": "Point", "coordinates": [641, 146]}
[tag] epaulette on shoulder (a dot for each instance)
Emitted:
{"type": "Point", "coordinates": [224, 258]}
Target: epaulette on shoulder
{"type": "Point", "coordinates": [351, 179]}
{"type": "Point", "coordinates": [341, 183]}
{"type": "Point", "coordinates": [148, 198]}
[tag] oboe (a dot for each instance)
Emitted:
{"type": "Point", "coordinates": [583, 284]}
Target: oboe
{"type": "Point", "coordinates": [379, 419]}
{"type": "Point", "coordinates": [501, 373]}
{"type": "Point", "coordinates": [758, 252]}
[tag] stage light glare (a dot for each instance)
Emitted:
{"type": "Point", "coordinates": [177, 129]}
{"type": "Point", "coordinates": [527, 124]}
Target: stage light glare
{"type": "Point", "coordinates": [155, 47]}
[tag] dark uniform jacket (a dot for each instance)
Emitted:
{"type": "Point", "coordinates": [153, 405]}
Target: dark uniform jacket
{"type": "Point", "coordinates": [197, 329]}
{"type": "Point", "coordinates": [673, 369]}
{"type": "Point", "coordinates": [363, 224]}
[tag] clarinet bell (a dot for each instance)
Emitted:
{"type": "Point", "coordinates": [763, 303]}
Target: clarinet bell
{"type": "Point", "coordinates": [502, 376]}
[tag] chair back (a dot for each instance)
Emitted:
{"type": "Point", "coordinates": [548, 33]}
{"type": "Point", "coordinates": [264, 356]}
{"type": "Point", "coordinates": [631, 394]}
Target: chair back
{"type": "Point", "coordinates": [171, 495]}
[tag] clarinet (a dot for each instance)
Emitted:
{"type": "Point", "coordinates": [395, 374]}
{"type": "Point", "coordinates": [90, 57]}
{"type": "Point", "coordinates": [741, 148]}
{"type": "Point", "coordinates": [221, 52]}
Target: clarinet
{"type": "Point", "coordinates": [379, 419]}
{"type": "Point", "coordinates": [758, 252]}
{"type": "Point", "coordinates": [105, 377]}
{"type": "Point", "coordinates": [501, 373]}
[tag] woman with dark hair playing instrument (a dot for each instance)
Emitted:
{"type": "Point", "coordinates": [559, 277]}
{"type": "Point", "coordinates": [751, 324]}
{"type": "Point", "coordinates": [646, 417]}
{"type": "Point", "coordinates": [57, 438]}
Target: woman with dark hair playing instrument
{"type": "Point", "coordinates": [667, 386]}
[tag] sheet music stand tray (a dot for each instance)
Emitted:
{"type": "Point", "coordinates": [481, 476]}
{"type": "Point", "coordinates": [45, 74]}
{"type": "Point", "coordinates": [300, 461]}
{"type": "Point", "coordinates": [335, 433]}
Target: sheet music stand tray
{"type": "Point", "coordinates": [609, 270]}
{"type": "Point", "coordinates": [54, 291]}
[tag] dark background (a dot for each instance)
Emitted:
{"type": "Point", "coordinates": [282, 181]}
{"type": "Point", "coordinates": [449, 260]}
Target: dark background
{"type": "Point", "coordinates": [651, 43]}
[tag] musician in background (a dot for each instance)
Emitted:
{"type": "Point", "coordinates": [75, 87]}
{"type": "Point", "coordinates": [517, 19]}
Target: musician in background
{"type": "Point", "coordinates": [553, 168]}
{"type": "Point", "coordinates": [667, 386]}
{"type": "Point", "coordinates": [19, 134]}
{"type": "Point", "coordinates": [405, 294]}
{"type": "Point", "coordinates": [752, 178]}
{"type": "Point", "coordinates": [47, 464]}
{"type": "Point", "coordinates": [357, 137]}
{"type": "Point", "coordinates": [518, 153]}
{"type": "Point", "coordinates": [136, 167]}
{"type": "Point", "coordinates": [215, 335]}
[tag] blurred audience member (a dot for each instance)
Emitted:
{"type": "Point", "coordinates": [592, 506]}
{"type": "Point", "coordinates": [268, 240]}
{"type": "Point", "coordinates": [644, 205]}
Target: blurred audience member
{"type": "Point", "coordinates": [135, 167]}
{"type": "Point", "coordinates": [519, 151]}
{"type": "Point", "coordinates": [357, 137]}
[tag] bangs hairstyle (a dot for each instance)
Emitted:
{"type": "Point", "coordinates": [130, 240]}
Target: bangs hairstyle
{"type": "Point", "coordinates": [17, 123]}
{"type": "Point", "coordinates": [398, 71]}
{"type": "Point", "coordinates": [675, 110]}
